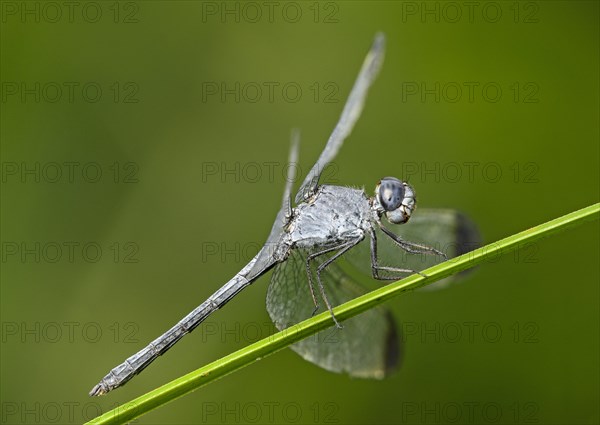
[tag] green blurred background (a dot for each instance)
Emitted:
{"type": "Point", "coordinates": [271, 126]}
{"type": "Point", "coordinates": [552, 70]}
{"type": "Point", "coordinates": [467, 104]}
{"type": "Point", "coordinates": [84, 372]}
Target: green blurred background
{"type": "Point", "coordinates": [517, 342]}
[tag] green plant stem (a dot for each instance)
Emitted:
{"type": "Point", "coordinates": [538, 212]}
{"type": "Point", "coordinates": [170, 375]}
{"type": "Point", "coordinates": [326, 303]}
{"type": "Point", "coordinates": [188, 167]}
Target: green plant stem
{"type": "Point", "coordinates": [280, 340]}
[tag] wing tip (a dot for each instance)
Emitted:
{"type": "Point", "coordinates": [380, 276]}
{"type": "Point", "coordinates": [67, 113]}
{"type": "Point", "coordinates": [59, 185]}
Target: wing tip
{"type": "Point", "coordinates": [377, 51]}
{"type": "Point", "coordinates": [467, 234]}
{"type": "Point", "coordinates": [379, 41]}
{"type": "Point", "coordinates": [393, 351]}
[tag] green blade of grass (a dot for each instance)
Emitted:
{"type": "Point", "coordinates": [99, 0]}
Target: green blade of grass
{"type": "Point", "coordinates": [280, 340]}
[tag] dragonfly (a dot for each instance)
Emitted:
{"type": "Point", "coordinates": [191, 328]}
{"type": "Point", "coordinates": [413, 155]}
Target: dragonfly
{"type": "Point", "coordinates": [330, 225]}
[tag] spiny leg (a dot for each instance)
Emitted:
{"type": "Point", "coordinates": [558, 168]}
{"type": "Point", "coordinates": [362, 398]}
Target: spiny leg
{"type": "Point", "coordinates": [411, 247]}
{"type": "Point", "coordinates": [342, 250]}
{"type": "Point", "coordinates": [309, 272]}
{"type": "Point", "coordinates": [375, 267]}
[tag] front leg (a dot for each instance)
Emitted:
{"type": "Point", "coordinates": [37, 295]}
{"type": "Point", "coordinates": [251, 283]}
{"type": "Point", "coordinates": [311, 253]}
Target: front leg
{"type": "Point", "coordinates": [375, 267]}
{"type": "Point", "coordinates": [411, 247]}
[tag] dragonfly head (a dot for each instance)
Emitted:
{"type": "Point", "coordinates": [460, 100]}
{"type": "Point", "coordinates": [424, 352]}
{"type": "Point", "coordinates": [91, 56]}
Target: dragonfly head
{"type": "Point", "coordinates": [394, 198]}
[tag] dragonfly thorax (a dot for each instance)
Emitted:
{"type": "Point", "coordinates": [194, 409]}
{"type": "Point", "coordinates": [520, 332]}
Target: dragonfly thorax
{"type": "Point", "coordinates": [334, 215]}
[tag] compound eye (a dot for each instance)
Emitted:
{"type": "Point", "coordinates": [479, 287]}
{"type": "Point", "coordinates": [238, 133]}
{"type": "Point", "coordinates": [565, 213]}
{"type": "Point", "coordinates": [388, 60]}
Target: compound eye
{"type": "Point", "coordinates": [391, 193]}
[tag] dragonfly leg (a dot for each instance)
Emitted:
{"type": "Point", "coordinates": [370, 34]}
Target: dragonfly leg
{"type": "Point", "coordinates": [310, 281]}
{"type": "Point", "coordinates": [375, 267]}
{"type": "Point", "coordinates": [342, 249]}
{"type": "Point", "coordinates": [413, 248]}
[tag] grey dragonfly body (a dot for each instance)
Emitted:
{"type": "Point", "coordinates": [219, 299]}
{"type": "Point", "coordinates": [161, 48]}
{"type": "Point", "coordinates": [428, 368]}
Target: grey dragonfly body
{"type": "Point", "coordinates": [303, 246]}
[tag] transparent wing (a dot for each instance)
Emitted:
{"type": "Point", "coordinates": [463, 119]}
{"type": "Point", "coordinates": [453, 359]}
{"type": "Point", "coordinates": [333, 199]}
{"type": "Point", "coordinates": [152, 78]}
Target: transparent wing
{"type": "Point", "coordinates": [368, 344]}
{"type": "Point", "coordinates": [447, 230]}
{"type": "Point", "coordinates": [267, 255]}
{"type": "Point", "coordinates": [350, 114]}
